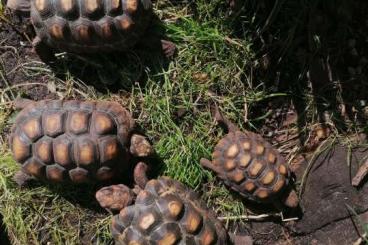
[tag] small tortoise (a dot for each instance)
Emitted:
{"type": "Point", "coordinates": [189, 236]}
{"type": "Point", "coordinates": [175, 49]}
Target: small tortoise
{"type": "Point", "coordinates": [89, 26]}
{"type": "Point", "coordinates": [166, 213]}
{"type": "Point", "coordinates": [251, 166]}
{"type": "Point", "coordinates": [76, 141]}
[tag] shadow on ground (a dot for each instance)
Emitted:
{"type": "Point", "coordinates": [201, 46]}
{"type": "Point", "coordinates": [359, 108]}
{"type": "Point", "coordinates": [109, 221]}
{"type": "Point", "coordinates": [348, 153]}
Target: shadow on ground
{"type": "Point", "coordinates": [314, 51]}
{"type": "Point", "coordinates": [105, 71]}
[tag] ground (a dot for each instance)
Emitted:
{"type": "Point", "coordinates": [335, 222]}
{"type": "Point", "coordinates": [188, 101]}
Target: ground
{"type": "Point", "coordinates": [295, 72]}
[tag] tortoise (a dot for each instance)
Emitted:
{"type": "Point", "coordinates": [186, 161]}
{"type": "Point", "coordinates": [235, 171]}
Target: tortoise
{"type": "Point", "coordinates": [165, 212]}
{"type": "Point", "coordinates": [77, 142]}
{"type": "Point", "coordinates": [90, 26]}
{"type": "Point", "coordinates": [251, 166]}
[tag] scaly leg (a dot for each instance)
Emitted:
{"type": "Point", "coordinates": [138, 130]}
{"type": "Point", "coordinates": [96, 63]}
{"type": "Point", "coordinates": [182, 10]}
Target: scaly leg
{"type": "Point", "coordinates": [115, 197]}
{"type": "Point", "coordinates": [44, 51]}
{"type": "Point", "coordinates": [140, 174]}
{"type": "Point", "coordinates": [22, 179]}
{"type": "Point", "coordinates": [139, 146]}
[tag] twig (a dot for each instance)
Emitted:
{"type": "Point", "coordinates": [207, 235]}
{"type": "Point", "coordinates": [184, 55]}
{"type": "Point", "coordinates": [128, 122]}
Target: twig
{"type": "Point", "coordinates": [256, 217]}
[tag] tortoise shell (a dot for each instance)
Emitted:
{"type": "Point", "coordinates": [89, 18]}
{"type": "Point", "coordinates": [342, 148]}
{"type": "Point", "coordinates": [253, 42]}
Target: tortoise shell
{"type": "Point", "coordinates": [167, 212]}
{"type": "Point", "coordinates": [251, 166]}
{"type": "Point", "coordinates": [71, 140]}
{"type": "Point", "coordinates": [90, 25]}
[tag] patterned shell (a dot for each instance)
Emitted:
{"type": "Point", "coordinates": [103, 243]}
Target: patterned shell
{"type": "Point", "coordinates": [71, 140]}
{"type": "Point", "coordinates": [90, 25]}
{"type": "Point", "coordinates": [167, 213]}
{"type": "Point", "coordinates": [251, 166]}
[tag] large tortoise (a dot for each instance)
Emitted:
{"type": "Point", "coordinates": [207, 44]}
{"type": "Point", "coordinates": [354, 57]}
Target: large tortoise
{"type": "Point", "coordinates": [166, 213]}
{"type": "Point", "coordinates": [76, 141]}
{"type": "Point", "coordinates": [88, 26]}
{"type": "Point", "coordinates": [251, 166]}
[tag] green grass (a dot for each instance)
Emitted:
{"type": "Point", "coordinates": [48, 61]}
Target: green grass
{"type": "Point", "coordinates": [35, 215]}
{"type": "Point", "coordinates": [218, 62]}
{"type": "Point", "coordinates": [209, 60]}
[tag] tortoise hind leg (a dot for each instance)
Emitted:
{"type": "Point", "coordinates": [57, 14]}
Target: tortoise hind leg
{"type": "Point", "coordinates": [44, 51]}
{"type": "Point", "coordinates": [139, 146]}
{"type": "Point", "coordinates": [168, 48]}
{"type": "Point", "coordinates": [22, 179]}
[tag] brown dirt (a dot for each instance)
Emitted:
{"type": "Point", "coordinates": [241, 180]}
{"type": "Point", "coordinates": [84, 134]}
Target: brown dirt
{"type": "Point", "coordinates": [16, 50]}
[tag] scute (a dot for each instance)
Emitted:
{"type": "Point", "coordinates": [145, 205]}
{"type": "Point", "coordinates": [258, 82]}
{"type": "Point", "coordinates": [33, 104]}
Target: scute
{"type": "Point", "coordinates": [43, 150]}
{"type": "Point", "coordinates": [53, 123]}
{"type": "Point", "coordinates": [67, 9]}
{"type": "Point", "coordinates": [192, 221]}
{"type": "Point", "coordinates": [32, 128]}
{"type": "Point", "coordinates": [58, 29]}
{"type": "Point", "coordinates": [131, 6]}
{"type": "Point", "coordinates": [123, 23]}
{"type": "Point", "coordinates": [167, 234]}
{"type": "Point", "coordinates": [82, 31]}
{"type": "Point", "coordinates": [61, 149]}
{"type": "Point", "coordinates": [109, 149]}
{"type": "Point", "coordinates": [20, 147]}
{"type": "Point", "coordinates": [84, 151]}
{"type": "Point", "coordinates": [207, 237]}
{"type": "Point", "coordinates": [44, 7]}
{"type": "Point", "coordinates": [105, 173]}
{"type": "Point", "coordinates": [78, 122]}
{"type": "Point", "coordinates": [79, 175]}
{"type": "Point", "coordinates": [92, 9]}
{"type": "Point", "coordinates": [147, 220]}
{"type": "Point", "coordinates": [113, 7]}
{"type": "Point", "coordinates": [106, 29]}
{"type": "Point", "coordinates": [55, 173]}
{"type": "Point", "coordinates": [102, 123]}
{"type": "Point", "coordinates": [34, 168]}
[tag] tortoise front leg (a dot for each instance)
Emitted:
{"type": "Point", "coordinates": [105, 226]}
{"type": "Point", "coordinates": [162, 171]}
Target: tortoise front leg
{"type": "Point", "coordinates": [115, 197]}
{"type": "Point", "coordinates": [210, 166]}
{"type": "Point", "coordinates": [139, 146]}
{"type": "Point", "coordinates": [291, 200]}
